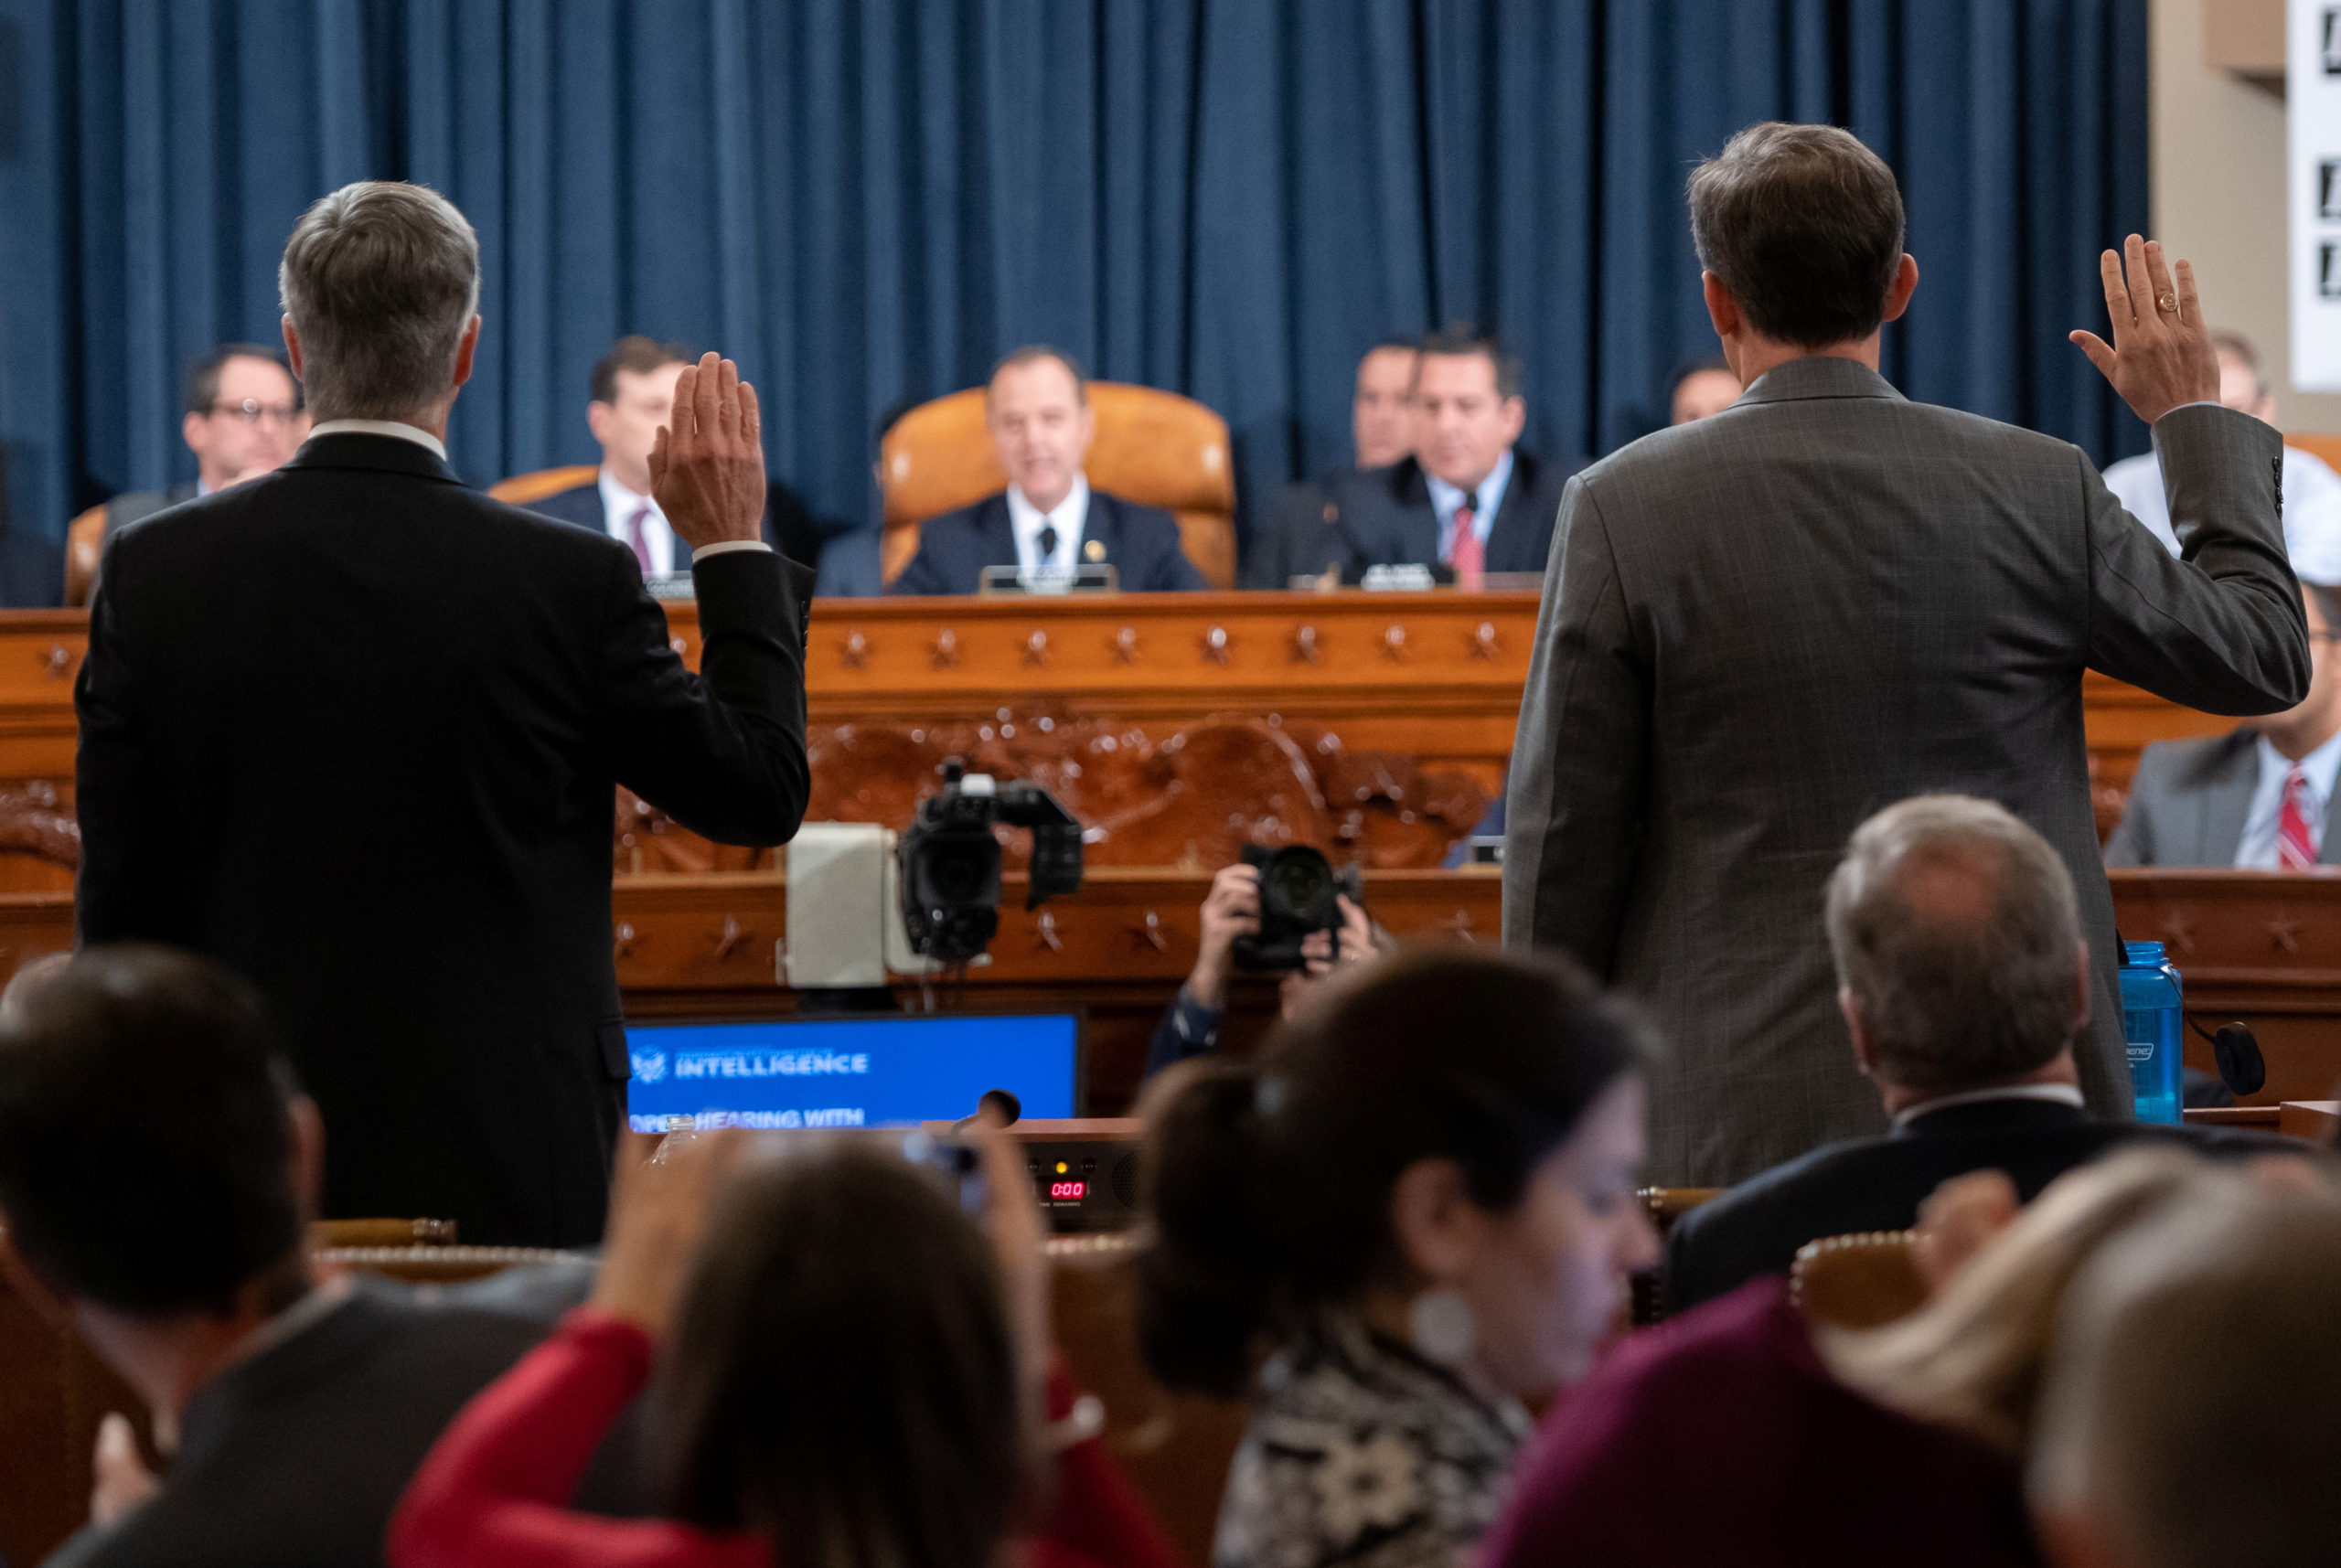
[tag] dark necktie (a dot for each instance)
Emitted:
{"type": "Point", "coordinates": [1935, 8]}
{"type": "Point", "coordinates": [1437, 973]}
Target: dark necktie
{"type": "Point", "coordinates": [1048, 543]}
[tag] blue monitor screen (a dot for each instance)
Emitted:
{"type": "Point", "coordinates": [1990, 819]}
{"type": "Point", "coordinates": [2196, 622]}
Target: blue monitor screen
{"type": "Point", "coordinates": [848, 1073]}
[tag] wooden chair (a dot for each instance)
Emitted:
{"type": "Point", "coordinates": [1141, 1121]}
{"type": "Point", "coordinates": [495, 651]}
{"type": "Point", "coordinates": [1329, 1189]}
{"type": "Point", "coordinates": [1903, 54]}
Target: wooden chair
{"type": "Point", "coordinates": [523, 489]}
{"type": "Point", "coordinates": [1665, 1205]}
{"type": "Point", "coordinates": [434, 1264]}
{"type": "Point", "coordinates": [1153, 447]}
{"type": "Point", "coordinates": [1861, 1281]}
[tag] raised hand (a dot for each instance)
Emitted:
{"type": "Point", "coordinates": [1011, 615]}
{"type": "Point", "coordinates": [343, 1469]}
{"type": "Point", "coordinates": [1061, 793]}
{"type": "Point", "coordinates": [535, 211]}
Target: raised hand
{"type": "Point", "coordinates": [2161, 356]}
{"type": "Point", "coordinates": [656, 1212]}
{"type": "Point", "coordinates": [707, 463]}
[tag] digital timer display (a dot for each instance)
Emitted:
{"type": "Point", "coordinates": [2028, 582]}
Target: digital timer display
{"type": "Point", "coordinates": [1068, 1190]}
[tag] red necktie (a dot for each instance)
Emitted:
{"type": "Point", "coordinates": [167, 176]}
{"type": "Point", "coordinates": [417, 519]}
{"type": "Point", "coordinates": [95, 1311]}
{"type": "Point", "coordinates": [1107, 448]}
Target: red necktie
{"type": "Point", "coordinates": [633, 536]}
{"type": "Point", "coordinates": [1464, 552]}
{"type": "Point", "coordinates": [2295, 845]}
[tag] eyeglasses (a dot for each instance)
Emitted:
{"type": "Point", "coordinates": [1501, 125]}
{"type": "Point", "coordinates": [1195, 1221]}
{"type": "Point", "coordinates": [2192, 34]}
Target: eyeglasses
{"type": "Point", "coordinates": [252, 411]}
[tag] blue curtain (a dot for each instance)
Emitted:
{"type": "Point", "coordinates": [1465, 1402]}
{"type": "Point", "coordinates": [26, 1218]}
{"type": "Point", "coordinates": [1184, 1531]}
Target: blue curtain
{"type": "Point", "coordinates": [868, 200]}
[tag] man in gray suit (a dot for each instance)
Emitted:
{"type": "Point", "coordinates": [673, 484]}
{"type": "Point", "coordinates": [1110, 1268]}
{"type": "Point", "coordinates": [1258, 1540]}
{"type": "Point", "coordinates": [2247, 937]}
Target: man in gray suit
{"type": "Point", "coordinates": [1762, 627]}
{"type": "Point", "coordinates": [2258, 798]}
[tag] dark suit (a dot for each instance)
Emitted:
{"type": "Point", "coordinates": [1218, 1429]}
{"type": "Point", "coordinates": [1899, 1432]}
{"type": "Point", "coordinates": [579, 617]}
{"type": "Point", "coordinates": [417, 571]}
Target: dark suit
{"type": "Point", "coordinates": [1877, 1184]}
{"type": "Point", "coordinates": [787, 526]}
{"type": "Point", "coordinates": [2189, 801]}
{"type": "Point", "coordinates": [353, 728]}
{"type": "Point", "coordinates": [1382, 517]}
{"type": "Point", "coordinates": [1760, 629]}
{"type": "Point", "coordinates": [1287, 539]}
{"type": "Point", "coordinates": [297, 1455]}
{"type": "Point", "coordinates": [1140, 542]}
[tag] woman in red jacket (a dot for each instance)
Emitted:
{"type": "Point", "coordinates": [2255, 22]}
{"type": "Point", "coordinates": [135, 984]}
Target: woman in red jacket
{"type": "Point", "coordinates": [847, 1374]}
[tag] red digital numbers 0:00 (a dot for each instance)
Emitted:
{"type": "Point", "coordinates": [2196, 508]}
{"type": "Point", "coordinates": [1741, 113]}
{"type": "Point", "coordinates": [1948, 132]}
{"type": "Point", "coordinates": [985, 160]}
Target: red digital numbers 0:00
{"type": "Point", "coordinates": [1068, 1190]}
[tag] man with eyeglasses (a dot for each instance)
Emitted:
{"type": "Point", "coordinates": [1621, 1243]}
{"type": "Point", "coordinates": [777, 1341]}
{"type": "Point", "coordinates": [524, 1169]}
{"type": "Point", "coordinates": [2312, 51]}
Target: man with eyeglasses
{"type": "Point", "coordinates": [243, 419]}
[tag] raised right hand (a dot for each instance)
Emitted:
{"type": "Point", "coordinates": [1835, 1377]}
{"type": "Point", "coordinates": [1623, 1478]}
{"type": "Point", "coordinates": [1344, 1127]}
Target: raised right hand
{"type": "Point", "coordinates": [2161, 356]}
{"type": "Point", "coordinates": [707, 463]}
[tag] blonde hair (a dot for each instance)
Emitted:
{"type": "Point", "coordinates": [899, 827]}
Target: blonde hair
{"type": "Point", "coordinates": [1972, 1358]}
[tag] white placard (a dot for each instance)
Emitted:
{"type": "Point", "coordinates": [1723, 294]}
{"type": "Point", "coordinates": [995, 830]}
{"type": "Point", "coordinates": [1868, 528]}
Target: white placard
{"type": "Point", "coordinates": [2313, 133]}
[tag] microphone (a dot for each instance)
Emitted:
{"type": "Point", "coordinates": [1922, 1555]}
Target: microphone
{"type": "Point", "coordinates": [1004, 1107]}
{"type": "Point", "coordinates": [2242, 1066]}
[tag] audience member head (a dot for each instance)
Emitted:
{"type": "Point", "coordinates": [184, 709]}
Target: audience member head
{"type": "Point", "coordinates": [1800, 230]}
{"type": "Point", "coordinates": [2300, 730]}
{"type": "Point", "coordinates": [1973, 1357]}
{"type": "Point", "coordinates": [1037, 408]}
{"type": "Point", "coordinates": [1382, 413]}
{"type": "Point", "coordinates": [1468, 408]}
{"type": "Point", "coordinates": [633, 395]}
{"type": "Point", "coordinates": [2241, 386]}
{"type": "Point", "coordinates": [1445, 1145]}
{"type": "Point", "coordinates": [243, 414]}
{"type": "Point", "coordinates": [1700, 389]}
{"type": "Point", "coordinates": [1960, 958]}
{"type": "Point", "coordinates": [155, 1163]}
{"type": "Point", "coordinates": [2192, 1415]}
{"type": "Point", "coordinates": [380, 285]}
{"type": "Point", "coordinates": [842, 1375]}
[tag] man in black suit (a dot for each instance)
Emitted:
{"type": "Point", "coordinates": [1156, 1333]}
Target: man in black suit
{"type": "Point", "coordinates": [354, 728]}
{"type": "Point", "coordinates": [633, 392]}
{"type": "Point", "coordinates": [1382, 429]}
{"type": "Point", "coordinates": [2258, 797]}
{"type": "Point", "coordinates": [1048, 519]}
{"type": "Point", "coordinates": [156, 1174]}
{"type": "Point", "coordinates": [1964, 981]}
{"type": "Point", "coordinates": [1468, 499]}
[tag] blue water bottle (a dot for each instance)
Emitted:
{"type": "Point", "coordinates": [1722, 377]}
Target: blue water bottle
{"type": "Point", "coordinates": [2151, 1015]}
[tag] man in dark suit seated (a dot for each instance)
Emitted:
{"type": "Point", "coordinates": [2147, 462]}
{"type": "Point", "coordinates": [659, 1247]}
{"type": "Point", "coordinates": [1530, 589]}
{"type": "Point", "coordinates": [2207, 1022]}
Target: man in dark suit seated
{"type": "Point", "coordinates": [1048, 519]}
{"type": "Point", "coordinates": [1381, 428]}
{"type": "Point", "coordinates": [243, 419]}
{"type": "Point", "coordinates": [288, 681]}
{"type": "Point", "coordinates": [1964, 981]}
{"type": "Point", "coordinates": [1467, 498]}
{"type": "Point", "coordinates": [634, 389]}
{"type": "Point", "coordinates": [157, 1173]}
{"type": "Point", "coordinates": [2257, 798]}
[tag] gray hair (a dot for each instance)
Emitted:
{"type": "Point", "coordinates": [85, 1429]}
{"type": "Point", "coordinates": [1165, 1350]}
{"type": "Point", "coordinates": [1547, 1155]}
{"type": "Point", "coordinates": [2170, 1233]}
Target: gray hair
{"type": "Point", "coordinates": [2193, 1407]}
{"type": "Point", "coordinates": [1955, 928]}
{"type": "Point", "coordinates": [1803, 224]}
{"type": "Point", "coordinates": [380, 280]}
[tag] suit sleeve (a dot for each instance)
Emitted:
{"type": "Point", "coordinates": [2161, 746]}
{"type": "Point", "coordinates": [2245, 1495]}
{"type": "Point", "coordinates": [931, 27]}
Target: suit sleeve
{"type": "Point", "coordinates": [723, 752]}
{"type": "Point", "coordinates": [2133, 842]}
{"type": "Point", "coordinates": [1574, 802]}
{"type": "Point", "coordinates": [921, 575]}
{"type": "Point", "coordinates": [2220, 628]}
{"type": "Point", "coordinates": [119, 892]}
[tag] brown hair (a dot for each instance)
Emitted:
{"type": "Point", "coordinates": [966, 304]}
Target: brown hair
{"type": "Point", "coordinates": [636, 356]}
{"type": "Point", "coordinates": [1268, 1184]}
{"type": "Point", "coordinates": [1462, 340]}
{"type": "Point", "coordinates": [1803, 224]}
{"type": "Point", "coordinates": [1030, 354]}
{"type": "Point", "coordinates": [380, 280]}
{"type": "Point", "coordinates": [841, 1377]}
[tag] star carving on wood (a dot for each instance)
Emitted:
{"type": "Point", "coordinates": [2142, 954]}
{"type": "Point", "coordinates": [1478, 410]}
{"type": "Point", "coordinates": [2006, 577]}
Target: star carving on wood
{"type": "Point", "coordinates": [855, 650]}
{"type": "Point", "coordinates": [1036, 647]}
{"type": "Point", "coordinates": [1045, 933]}
{"type": "Point", "coordinates": [729, 937]}
{"type": "Point", "coordinates": [1459, 925]}
{"type": "Point", "coordinates": [1149, 933]}
{"type": "Point", "coordinates": [1305, 648]}
{"type": "Point", "coordinates": [2285, 932]}
{"type": "Point", "coordinates": [1216, 644]}
{"type": "Point", "coordinates": [1484, 645]}
{"type": "Point", "coordinates": [623, 939]}
{"type": "Point", "coordinates": [1394, 641]}
{"type": "Point", "coordinates": [2178, 931]}
{"type": "Point", "coordinates": [1126, 645]}
{"type": "Point", "coordinates": [946, 649]}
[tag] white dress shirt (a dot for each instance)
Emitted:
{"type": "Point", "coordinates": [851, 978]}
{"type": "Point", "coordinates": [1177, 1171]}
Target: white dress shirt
{"type": "Point", "coordinates": [2312, 509]}
{"type": "Point", "coordinates": [421, 437]}
{"type": "Point", "coordinates": [1445, 498]}
{"type": "Point", "coordinates": [1067, 516]}
{"type": "Point", "coordinates": [2257, 852]}
{"type": "Point", "coordinates": [618, 507]}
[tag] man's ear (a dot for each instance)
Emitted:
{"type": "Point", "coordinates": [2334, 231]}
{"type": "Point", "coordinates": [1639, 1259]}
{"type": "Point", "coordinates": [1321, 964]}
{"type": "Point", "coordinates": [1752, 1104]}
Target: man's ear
{"type": "Point", "coordinates": [308, 1157]}
{"type": "Point", "coordinates": [1515, 418]}
{"type": "Point", "coordinates": [190, 428]}
{"type": "Point", "coordinates": [1435, 1221]}
{"type": "Point", "coordinates": [293, 347]}
{"type": "Point", "coordinates": [463, 352]}
{"type": "Point", "coordinates": [1904, 284]}
{"type": "Point", "coordinates": [1723, 311]}
{"type": "Point", "coordinates": [597, 419]}
{"type": "Point", "coordinates": [1864, 1047]}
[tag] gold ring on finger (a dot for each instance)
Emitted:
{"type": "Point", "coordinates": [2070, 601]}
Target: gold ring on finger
{"type": "Point", "coordinates": [2166, 304]}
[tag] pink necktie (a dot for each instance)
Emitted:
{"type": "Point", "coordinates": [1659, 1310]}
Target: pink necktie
{"type": "Point", "coordinates": [1464, 552]}
{"type": "Point", "coordinates": [633, 536]}
{"type": "Point", "coordinates": [2295, 848]}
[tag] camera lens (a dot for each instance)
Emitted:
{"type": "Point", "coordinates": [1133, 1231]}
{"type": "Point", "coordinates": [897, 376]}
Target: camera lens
{"type": "Point", "coordinates": [959, 872]}
{"type": "Point", "coordinates": [1298, 882]}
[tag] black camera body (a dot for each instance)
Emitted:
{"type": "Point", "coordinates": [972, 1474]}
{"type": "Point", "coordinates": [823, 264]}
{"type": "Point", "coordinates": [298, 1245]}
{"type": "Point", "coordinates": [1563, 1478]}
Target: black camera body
{"type": "Point", "coordinates": [950, 861]}
{"type": "Point", "coordinates": [1299, 892]}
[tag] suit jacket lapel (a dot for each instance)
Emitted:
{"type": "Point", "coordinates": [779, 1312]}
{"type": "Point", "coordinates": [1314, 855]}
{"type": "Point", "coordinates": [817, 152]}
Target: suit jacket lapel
{"type": "Point", "coordinates": [1417, 518]}
{"type": "Point", "coordinates": [1513, 521]}
{"type": "Point", "coordinates": [1103, 525]}
{"type": "Point", "coordinates": [997, 536]}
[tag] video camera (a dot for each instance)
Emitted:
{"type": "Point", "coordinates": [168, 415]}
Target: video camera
{"type": "Point", "coordinates": [1299, 892]}
{"type": "Point", "coordinates": [950, 861]}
